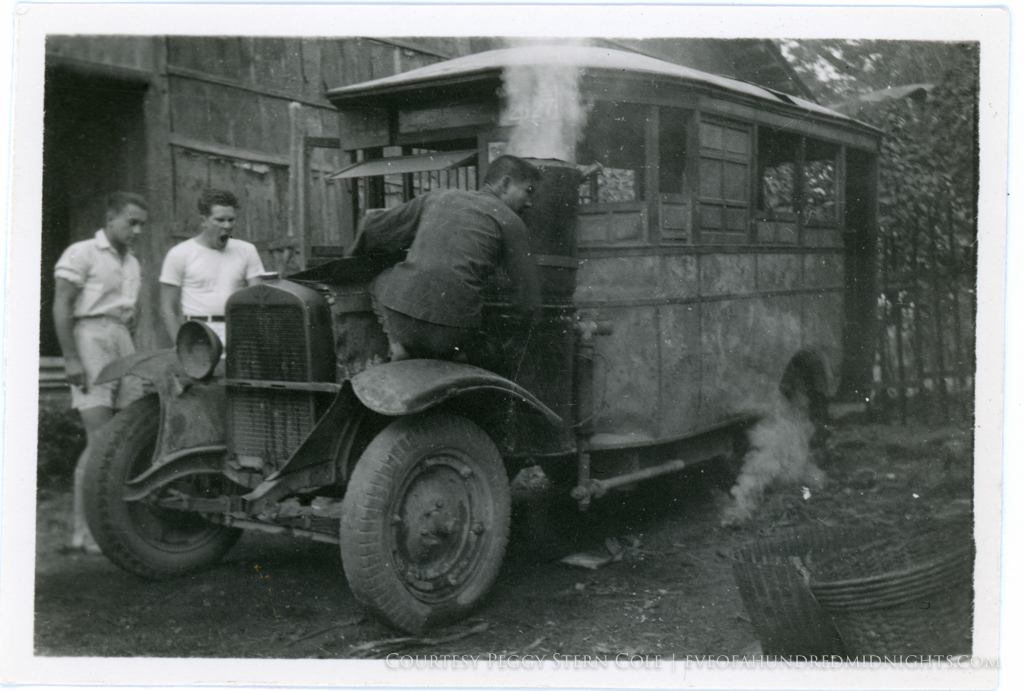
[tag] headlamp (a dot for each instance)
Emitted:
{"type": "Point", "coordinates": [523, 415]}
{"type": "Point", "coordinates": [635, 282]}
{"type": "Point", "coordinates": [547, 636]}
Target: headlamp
{"type": "Point", "coordinates": [198, 348]}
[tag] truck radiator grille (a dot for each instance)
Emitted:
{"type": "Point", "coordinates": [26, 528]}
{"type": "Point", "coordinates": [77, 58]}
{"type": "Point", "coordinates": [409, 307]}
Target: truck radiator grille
{"type": "Point", "coordinates": [266, 342]}
{"type": "Point", "coordinates": [269, 424]}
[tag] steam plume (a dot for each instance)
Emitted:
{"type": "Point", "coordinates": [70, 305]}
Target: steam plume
{"type": "Point", "coordinates": [780, 451]}
{"type": "Point", "coordinates": [543, 105]}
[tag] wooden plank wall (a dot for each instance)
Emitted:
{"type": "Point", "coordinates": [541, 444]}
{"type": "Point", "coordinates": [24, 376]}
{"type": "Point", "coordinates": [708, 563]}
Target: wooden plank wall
{"type": "Point", "coordinates": [235, 92]}
{"type": "Point", "coordinates": [261, 190]}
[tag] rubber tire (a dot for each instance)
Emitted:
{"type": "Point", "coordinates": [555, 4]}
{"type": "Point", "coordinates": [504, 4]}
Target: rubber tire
{"type": "Point", "coordinates": [810, 403]}
{"type": "Point", "coordinates": [125, 449]}
{"type": "Point", "coordinates": [377, 492]}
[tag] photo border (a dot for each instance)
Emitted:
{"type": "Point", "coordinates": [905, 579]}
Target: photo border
{"type": "Point", "coordinates": [31, 22]}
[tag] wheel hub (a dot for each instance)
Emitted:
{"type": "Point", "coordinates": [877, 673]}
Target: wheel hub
{"type": "Point", "coordinates": [435, 532]}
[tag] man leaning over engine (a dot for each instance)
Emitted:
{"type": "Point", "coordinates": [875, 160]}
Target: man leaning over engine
{"type": "Point", "coordinates": [430, 303]}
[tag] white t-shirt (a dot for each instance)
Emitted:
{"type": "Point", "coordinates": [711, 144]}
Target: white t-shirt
{"type": "Point", "coordinates": [208, 277]}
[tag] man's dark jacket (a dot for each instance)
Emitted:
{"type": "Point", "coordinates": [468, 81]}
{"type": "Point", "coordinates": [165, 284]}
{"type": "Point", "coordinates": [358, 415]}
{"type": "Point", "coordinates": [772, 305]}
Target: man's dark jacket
{"type": "Point", "coordinates": [457, 240]}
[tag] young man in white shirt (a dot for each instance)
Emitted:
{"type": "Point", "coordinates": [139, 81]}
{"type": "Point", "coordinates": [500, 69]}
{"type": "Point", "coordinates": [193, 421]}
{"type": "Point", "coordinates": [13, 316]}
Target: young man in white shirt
{"type": "Point", "coordinates": [94, 310]}
{"type": "Point", "coordinates": [199, 275]}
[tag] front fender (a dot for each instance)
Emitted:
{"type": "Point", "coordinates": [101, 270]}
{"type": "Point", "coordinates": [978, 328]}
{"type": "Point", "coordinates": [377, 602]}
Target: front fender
{"type": "Point", "coordinates": [193, 413]}
{"type": "Point", "coordinates": [154, 366]}
{"type": "Point", "coordinates": [519, 423]}
{"type": "Point", "coordinates": [412, 386]}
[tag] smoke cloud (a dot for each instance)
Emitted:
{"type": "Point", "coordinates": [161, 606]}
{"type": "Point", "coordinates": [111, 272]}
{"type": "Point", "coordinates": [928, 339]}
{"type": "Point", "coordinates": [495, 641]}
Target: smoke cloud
{"type": "Point", "coordinates": [543, 104]}
{"type": "Point", "coordinates": [780, 451]}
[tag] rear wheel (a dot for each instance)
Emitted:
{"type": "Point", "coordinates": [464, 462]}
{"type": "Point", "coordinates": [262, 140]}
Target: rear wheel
{"type": "Point", "coordinates": [803, 386]}
{"type": "Point", "coordinates": [139, 536]}
{"type": "Point", "coordinates": [425, 521]}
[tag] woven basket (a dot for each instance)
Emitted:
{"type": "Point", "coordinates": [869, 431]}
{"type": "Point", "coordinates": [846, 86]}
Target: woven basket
{"type": "Point", "coordinates": [908, 592]}
{"type": "Point", "coordinates": [772, 577]}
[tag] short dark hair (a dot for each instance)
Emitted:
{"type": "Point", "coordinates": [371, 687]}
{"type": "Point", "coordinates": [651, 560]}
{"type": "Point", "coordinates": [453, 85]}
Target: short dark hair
{"type": "Point", "coordinates": [117, 201]}
{"type": "Point", "coordinates": [211, 198]}
{"type": "Point", "coordinates": [514, 167]}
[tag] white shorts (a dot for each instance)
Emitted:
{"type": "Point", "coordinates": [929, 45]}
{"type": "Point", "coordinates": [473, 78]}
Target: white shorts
{"type": "Point", "coordinates": [100, 341]}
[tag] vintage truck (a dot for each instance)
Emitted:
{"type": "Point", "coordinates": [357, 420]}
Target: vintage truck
{"type": "Point", "coordinates": [723, 252]}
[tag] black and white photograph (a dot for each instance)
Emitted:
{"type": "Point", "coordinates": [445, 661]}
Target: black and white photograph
{"type": "Point", "coordinates": [421, 346]}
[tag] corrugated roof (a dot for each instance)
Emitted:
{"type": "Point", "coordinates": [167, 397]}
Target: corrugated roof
{"type": "Point", "coordinates": [583, 57]}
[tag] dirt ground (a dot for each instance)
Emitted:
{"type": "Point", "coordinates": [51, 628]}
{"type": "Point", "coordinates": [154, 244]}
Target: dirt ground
{"type": "Point", "coordinates": [671, 592]}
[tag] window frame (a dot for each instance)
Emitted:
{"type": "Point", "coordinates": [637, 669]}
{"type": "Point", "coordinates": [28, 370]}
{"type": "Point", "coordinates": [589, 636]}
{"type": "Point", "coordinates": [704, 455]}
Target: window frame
{"type": "Point", "coordinates": [641, 172]}
{"type": "Point", "coordinates": [764, 214]}
{"type": "Point", "coordinates": [724, 156]}
{"type": "Point", "coordinates": [838, 182]}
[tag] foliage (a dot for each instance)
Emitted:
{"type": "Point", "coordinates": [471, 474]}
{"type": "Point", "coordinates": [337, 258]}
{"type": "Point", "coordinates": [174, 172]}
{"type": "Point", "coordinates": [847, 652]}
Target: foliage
{"type": "Point", "coordinates": [819, 191]}
{"type": "Point", "coordinates": [928, 187]}
{"type": "Point", "coordinates": [60, 440]}
{"type": "Point", "coordinates": [838, 69]}
{"type": "Point", "coordinates": [928, 174]}
{"type": "Point", "coordinates": [928, 162]}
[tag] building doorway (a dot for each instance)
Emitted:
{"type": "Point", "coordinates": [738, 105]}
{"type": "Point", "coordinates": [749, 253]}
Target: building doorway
{"type": "Point", "coordinates": [93, 143]}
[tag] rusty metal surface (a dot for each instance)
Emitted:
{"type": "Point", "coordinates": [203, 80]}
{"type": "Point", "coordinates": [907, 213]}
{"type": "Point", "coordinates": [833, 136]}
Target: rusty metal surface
{"type": "Point", "coordinates": [152, 366]}
{"type": "Point", "coordinates": [677, 276]}
{"type": "Point", "coordinates": [616, 278]}
{"type": "Point", "coordinates": [823, 331]}
{"type": "Point", "coordinates": [626, 373]}
{"type": "Point", "coordinates": [680, 368]}
{"type": "Point", "coordinates": [745, 345]}
{"type": "Point", "coordinates": [552, 222]}
{"type": "Point", "coordinates": [539, 359]}
{"type": "Point", "coordinates": [778, 271]}
{"type": "Point", "coordinates": [192, 412]}
{"type": "Point", "coordinates": [705, 338]}
{"type": "Point", "coordinates": [726, 274]}
{"type": "Point", "coordinates": [412, 386]}
{"type": "Point", "coordinates": [333, 434]}
{"type": "Point", "coordinates": [359, 341]}
{"type": "Point", "coordinates": [205, 461]}
{"type": "Point", "coordinates": [196, 417]}
{"type": "Point", "coordinates": [823, 270]}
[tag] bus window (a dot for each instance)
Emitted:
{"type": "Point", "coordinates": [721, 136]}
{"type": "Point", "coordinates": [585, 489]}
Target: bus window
{"type": "Point", "coordinates": [672, 124]}
{"type": "Point", "coordinates": [614, 137]}
{"type": "Point", "coordinates": [724, 182]}
{"type": "Point", "coordinates": [820, 202]}
{"type": "Point", "coordinates": [777, 154]}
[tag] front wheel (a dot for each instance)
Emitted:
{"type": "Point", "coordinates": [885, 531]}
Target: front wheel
{"type": "Point", "coordinates": [425, 521]}
{"type": "Point", "coordinates": [138, 536]}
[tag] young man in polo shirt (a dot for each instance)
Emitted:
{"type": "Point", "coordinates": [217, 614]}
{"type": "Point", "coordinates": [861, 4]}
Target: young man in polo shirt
{"type": "Point", "coordinates": [199, 275]}
{"type": "Point", "coordinates": [94, 310]}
